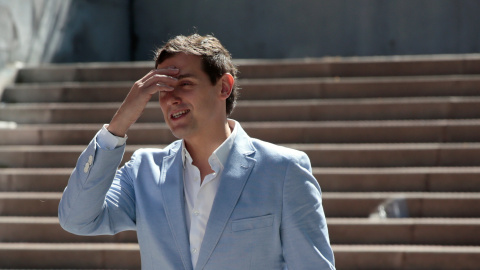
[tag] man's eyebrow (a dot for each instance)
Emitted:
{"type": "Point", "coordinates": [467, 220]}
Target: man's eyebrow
{"type": "Point", "coordinates": [183, 76]}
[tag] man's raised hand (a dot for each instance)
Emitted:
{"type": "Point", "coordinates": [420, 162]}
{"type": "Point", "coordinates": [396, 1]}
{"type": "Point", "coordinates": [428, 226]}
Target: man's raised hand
{"type": "Point", "coordinates": [157, 80]}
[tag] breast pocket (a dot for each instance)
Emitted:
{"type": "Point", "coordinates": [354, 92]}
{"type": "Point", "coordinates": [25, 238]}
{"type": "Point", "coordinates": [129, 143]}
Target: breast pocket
{"type": "Point", "coordinates": [252, 223]}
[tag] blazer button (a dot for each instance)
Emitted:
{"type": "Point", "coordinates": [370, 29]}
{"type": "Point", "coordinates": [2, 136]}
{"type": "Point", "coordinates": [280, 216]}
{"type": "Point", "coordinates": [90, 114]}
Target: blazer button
{"type": "Point", "coordinates": [86, 168]}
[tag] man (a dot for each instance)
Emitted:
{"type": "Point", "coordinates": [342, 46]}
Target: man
{"type": "Point", "coordinates": [216, 199]}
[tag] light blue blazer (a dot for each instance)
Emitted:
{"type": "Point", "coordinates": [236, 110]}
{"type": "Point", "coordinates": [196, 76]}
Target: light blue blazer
{"type": "Point", "coordinates": [267, 213]}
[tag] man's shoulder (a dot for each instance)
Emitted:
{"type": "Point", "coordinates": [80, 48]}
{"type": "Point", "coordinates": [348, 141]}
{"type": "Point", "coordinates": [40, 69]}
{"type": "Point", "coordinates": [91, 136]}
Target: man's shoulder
{"type": "Point", "coordinates": [273, 150]}
{"type": "Point", "coordinates": [156, 152]}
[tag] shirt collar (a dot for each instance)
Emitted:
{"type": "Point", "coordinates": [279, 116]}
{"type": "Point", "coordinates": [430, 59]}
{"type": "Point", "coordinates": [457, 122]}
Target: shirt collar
{"type": "Point", "coordinates": [221, 152]}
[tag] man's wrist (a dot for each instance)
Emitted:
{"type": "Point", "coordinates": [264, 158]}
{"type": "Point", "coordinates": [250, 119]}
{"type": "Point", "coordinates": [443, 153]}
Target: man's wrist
{"type": "Point", "coordinates": [115, 132]}
{"type": "Point", "coordinates": [106, 139]}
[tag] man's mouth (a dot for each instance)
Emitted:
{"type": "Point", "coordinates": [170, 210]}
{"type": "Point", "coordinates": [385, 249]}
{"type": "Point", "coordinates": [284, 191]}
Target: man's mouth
{"type": "Point", "coordinates": [179, 114]}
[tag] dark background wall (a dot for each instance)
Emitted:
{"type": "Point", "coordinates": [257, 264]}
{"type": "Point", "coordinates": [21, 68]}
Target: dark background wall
{"type": "Point", "coordinates": [313, 28]}
{"type": "Point", "coordinates": [96, 31]}
{"type": "Point", "coordinates": [36, 31]}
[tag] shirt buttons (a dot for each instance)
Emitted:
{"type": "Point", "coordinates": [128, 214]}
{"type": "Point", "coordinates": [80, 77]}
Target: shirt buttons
{"type": "Point", "coordinates": [194, 250]}
{"type": "Point", "coordinates": [196, 212]}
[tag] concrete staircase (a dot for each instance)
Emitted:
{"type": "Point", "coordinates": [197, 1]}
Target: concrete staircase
{"type": "Point", "coordinates": [401, 133]}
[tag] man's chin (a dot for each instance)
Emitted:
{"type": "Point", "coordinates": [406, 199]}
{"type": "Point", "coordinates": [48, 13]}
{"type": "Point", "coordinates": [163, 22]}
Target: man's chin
{"type": "Point", "coordinates": [179, 132]}
{"type": "Point", "coordinates": [182, 129]}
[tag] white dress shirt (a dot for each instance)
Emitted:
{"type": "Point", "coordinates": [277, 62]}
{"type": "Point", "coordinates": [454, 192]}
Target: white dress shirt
{"type": "Point", "coordinates": [199, 196]}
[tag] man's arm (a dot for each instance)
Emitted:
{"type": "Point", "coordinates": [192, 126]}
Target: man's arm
{"type": "Point", "coordinates": [84, 208]}
{"type": "Point", "coordinates": [304, 232]}
{"type": "Point", "coordinates": [98, 200]}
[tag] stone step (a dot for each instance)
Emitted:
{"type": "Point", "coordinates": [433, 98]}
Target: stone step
{"type": "Point", "coordinates": [41, 204]}
{"type": "Point", "coordinates": [359, 87]}
{"type": "Point", "coordinates": [404, 231]}
{"type": "Point", "coordinates": [34, 179]}
{"type": "Point", "coordinates": [126, 256]}
{"type": "Point", "coordinates": [253, 111]}
{"type": "Point", "coordinates": [263, 89]}
{"type": "Point", "coordinates": [361, 66]}
{"type": "Point", "coordinates": [336, 204]}
{"type": "Point", "coordinates": [422, 179]}
{"type": "Point", "coordinates": [48, 230]}
{"type": "Point", "coordinates": [419, 204]}
{"type": "Point", "coordinates": [406, 257]}
{"type": "Point", "coordinates": [338, 132]}
{"type": "Point", "coordinates": [282, 68]}
{"type": "Point", "coordinates": [321, 155]}
{"type": "Point", "coordinates": [358, 231]}
{"type": "Point", "coordinates": [69, 256]}
{"type": "Point", "coordinates": [66, 92]}
{"type": "Point", "coordinates": [426, 179]}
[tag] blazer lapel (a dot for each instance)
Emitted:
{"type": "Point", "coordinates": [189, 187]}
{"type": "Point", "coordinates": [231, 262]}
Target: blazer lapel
{"type": "Point", "coordinates": [171, 186]}
{"type": "Point", "coordinates": [237, 170]}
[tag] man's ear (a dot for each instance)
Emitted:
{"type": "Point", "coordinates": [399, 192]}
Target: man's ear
{"type": "Point", "coordinates": [227, 85]}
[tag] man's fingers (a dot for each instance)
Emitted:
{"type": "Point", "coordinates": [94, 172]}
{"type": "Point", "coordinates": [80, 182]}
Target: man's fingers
{"type": "Point", "coordinates": [164, 71]}
{"type": "Point", "coordinates": [164, 87]}
{"type": "Point", "coordinates": [160, 80]}
{"type": "Point", "coordinates": [159, 87]}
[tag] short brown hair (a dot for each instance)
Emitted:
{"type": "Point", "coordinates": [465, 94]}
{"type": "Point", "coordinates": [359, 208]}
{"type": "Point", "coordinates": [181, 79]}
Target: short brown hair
{"type": "Point", "coordinates": [216, 60]}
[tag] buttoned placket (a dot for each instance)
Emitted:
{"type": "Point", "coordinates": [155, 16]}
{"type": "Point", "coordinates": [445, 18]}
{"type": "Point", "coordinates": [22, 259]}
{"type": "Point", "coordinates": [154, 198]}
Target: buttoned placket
{"type": "Point", "coordinates": [203, 195]}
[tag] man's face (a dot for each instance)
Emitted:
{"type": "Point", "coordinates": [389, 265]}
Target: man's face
{"type": "Point", "coordinates": [195, 105]}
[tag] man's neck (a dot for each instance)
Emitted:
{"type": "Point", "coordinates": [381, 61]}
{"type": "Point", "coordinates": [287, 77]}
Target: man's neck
{"type": "Point", "coordinates": [201, 148]}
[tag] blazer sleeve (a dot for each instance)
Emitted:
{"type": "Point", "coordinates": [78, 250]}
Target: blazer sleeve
{"type": "Point", "coordinates": [98, 199]}
{"type": "Point", "coordinates": [304, 232]}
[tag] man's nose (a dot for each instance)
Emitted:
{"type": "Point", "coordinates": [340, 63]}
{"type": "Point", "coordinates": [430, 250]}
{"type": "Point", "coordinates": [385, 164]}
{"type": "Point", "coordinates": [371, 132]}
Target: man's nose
{"type": "Point", "coordinates": [172, 97]}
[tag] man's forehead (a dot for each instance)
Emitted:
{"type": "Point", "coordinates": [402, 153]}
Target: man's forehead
{"type": "Point", "coordinates": [189, 65]}
{"type": "Point", "coordinates": [181, 60]}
